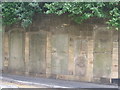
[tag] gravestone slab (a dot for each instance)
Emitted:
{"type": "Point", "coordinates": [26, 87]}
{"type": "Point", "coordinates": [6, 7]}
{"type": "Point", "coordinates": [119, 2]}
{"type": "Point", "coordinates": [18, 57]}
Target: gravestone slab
{"type": "Point", "coordinates": [37, 63]}
{"type": "Point", "coordinates": [16, 61]}
{"type": "Point", "coordinates": [80, 57]}
{"type": "Point", "coordinates": [59, 54]}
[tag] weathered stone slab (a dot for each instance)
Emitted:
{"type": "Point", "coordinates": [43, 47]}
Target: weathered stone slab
{"type": "Point", "coordinates": [89, 75]}
{"type": "Point", "coordinates": [102, 65]}
{"type": "Point", "coordinates": [103, 45]}
{"type": "Point", "coordinates": [37, 63]}
{"type": "Point", "coordinates": [103, 40]}
{"type": "Point", "coordinates": [71, 65]}
{"type": "Point", "coordinates": [27, 53]}
{"type": "Point", "coordinates": [6, 51]}
{"type": "Point", "coordinates": [115, 36]}
{"type": "Point", "coordinates": [80, 57]}
{"type": "Point", "coordinates": [114, 69]}
{"type": "Point", "coordinates": [48, 55]}
{"type": "Point", "coordinates": [60, 54]}
{"type": "Point", "coordinates": [16, 61]}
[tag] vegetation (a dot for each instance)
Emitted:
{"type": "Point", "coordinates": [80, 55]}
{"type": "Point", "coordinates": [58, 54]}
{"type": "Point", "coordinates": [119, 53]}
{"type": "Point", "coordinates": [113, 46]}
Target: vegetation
{"type": "Point", "coordinates": [78, 11]}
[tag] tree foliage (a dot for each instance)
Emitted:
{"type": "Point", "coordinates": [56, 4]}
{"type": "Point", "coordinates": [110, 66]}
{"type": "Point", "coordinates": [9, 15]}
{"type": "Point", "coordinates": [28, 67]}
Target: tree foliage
{"type": "Point", "coordinates": [19, 12]}
{"type": "Point", "coordinates": [81, 11]}
{"type": "Point", "coordinates": [78, 11]}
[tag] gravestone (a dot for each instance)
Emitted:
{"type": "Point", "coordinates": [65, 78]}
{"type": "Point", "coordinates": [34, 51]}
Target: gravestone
{"type": "Point", "coordinates": [37, 63]}
{"type": "Point", "coordinates": [16, 42]}
{"type": "Point", "coordinates": [60, 54]}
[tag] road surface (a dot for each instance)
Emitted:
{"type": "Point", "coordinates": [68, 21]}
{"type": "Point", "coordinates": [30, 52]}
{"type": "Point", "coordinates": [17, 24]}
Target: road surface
{"type": "Point", "coordinates": [5, 84]}
{"type": "Point", "coordinates": [33, 82]}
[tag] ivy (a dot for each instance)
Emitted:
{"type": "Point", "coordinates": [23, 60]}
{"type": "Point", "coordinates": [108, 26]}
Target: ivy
{"type": "Point", "coordinates": [81, 11]}
{"type": "Point", "coordinates": [23, 12]}
{"type": "Point", "coordinates": [19, 12]}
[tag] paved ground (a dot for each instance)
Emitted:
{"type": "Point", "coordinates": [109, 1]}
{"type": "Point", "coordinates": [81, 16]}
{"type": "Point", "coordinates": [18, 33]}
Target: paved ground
{"type": "Point", "coordinates": [6, 84]}
{"type": "Point", "coordinates": [51, 83]}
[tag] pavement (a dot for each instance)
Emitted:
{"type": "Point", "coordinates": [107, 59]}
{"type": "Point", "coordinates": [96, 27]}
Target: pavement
{"type": "Point", "coordinates": [7, 84]}
{"type": "Point", "coordinates": [50, 83]}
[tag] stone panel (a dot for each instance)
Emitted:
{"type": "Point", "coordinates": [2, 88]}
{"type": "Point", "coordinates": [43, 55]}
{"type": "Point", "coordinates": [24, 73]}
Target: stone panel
{"type": "Point", "coordinates": [37, 63]}
{"type": "Point", "coordinates": [102, 65]}
{"type": "Point", "coordinates": [80, 57]}
{"type": "Point", "coordinates": [16, 61]}
{"type": "Point", "coordinates": [6, 51]}
{"type": "Point", "coordinates": [103, 41]}
{"type": "Point", "coordinates": [60, 54]}
{"type": "Point", "coordinates": [27, 53]}
{"type": "Point", "coordinates": [103, 45]}
{"type": "Point", "coordinates": [89, 75]}
{"type": "Point", "coordinates": [115, 36]}
{"type": "Point", "coordinates": [48, 55]}
{"type": "Point", "coordinates": [71, 65]}
{"type": "Point", "coordinates": [114, 69]}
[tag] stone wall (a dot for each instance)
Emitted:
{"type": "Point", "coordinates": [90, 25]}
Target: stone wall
{"type": "Point", "coordinates": [56, 47]}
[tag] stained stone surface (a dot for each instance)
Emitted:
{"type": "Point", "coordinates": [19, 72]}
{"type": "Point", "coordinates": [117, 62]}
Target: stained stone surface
{"type": "Point", "coordinates": [37, 63]}
{"type": "Point", "coordinates": [16, 61]}
{"type": "Point", "coordinates": [102, 61]}
{"type": "Point", "coordinates": [102, 65]}
{"type": "Point", "coordinates": [103, 41]}
{"type": "Point", "coordinates": [80, 47]}
{"type": "Point", "coordinates": [59, 54]}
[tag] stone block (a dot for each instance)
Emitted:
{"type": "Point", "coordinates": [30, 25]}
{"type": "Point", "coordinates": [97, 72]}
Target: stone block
{"type": "Point", "coordinates": [115, 44]}
{"type": "Point", "coordinates": [16, 60]}
{"type": "Point", "coordinates": [60, 54]}
{"type": "Point", "coordinates": [102, 65]}
{"type": "Point", "coordinates": [103, 41]}
{"type": "Point", "coordinates": [37, 62]}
